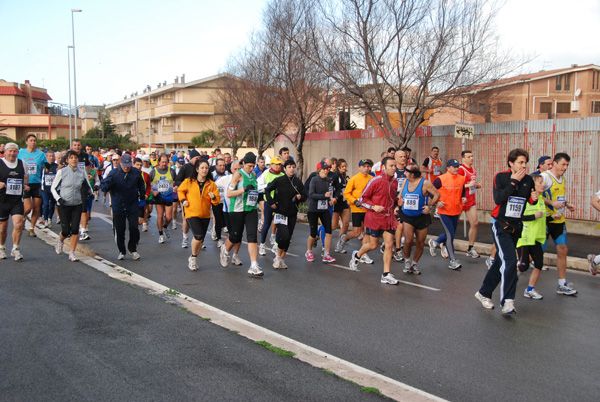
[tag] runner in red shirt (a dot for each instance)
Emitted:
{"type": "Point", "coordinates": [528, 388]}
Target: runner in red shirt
{"type": "Point", "coordinates": [471, 184]}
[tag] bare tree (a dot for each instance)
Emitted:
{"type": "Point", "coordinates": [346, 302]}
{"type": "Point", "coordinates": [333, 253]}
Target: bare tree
{"type": "Point", "coordinates": [305, 87]}
{"type": "Point", "coordinates": [279, 90]}
{"type": "Point", "coordinates": [399, 60]}
{"type": "Point", "coordinates": [250, 100]}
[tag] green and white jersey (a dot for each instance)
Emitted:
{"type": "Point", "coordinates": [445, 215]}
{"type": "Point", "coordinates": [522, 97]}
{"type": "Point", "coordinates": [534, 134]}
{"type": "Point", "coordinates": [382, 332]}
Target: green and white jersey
{"type": "Point", "coordinates": [247, 201]}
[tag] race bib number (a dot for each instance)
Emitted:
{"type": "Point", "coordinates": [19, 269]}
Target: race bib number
{"type": "Point", "coordinates": [31, 168]}
{"type": "Point", "coordinates": [331, 191]}
{"type": "Point", "coordinates": [252, 198]}
{"type": "Point", "coordinates": [473, 189]}
{"type": "Point", "coordinates": [222, 193]}
{"type": "Point", "coordinates": [515, 207]}
{"type": "Point", "coordinates": [561, 198]}
{"type": "Point", "coordinates": [411, 202]}
{"type": "Point", "coordinates": [280, 219]}
{"type": "Point", "coordinates": [437, 170]}
{"type": "Point", "coordinates": [401, 182]}
{"type": "Point", "coordinates": [322, 204]}
{"type": "Point", "coordinates": [162, 186]}
{"type": "Point", "coordinates": [81, 165]}
{"type": "Point", "coordinates": [14, 186]}
{"type": "Point", "coordinates": [48, 179]}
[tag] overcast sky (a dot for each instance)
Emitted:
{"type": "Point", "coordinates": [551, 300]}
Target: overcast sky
{"type": "Point", "coordinates": [121, 46]}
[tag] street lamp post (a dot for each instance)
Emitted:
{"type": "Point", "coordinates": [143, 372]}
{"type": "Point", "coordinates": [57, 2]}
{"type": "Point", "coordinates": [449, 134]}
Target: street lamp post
{"type": "Point", "coordinates": [74, 10]}
{"type": "Point", "coordinates": [69, 70]}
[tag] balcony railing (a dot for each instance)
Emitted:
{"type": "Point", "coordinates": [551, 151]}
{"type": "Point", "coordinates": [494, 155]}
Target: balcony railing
{"type": "Point", "coordinates": [174, 109]}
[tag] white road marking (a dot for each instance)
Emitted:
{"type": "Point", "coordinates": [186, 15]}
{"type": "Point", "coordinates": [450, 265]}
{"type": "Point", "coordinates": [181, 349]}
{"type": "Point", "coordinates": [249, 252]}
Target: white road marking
{"type": "Point", "coordinates": [315, 357]}
{"type": "Point", "coordinates": [106, 218]}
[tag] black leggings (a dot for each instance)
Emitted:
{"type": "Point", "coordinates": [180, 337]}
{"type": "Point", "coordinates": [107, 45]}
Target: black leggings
{"type": "Point", "coordinates": [284, 233]}
{"type": "Point", "coordinates": [199, 226]}
{"type": "Point", "coordinates": [219, 219]}
{"type": "Point", "coordinates": [70, 216]}
{"type": "Point", "coordinates": [537, 255]}
{"type": "Point", "coordinates": [313, 221]}
{"type": "Point", "coordinates": [239, 220]}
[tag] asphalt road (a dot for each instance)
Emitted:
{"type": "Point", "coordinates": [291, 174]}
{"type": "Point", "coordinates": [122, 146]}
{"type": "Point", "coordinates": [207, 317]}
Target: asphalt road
{"type": "Point", "coordinates": [429, 332]}
{"type": "Point", "coordinates": [69, 332]}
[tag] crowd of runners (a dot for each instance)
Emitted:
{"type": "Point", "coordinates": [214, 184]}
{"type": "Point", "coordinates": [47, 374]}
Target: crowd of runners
{"type": "Point", "coordinates": [390, 204]}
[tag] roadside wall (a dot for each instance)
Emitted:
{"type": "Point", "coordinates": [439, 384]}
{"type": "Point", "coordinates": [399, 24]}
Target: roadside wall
{"type": "Point", "coordinates": [580, 138]}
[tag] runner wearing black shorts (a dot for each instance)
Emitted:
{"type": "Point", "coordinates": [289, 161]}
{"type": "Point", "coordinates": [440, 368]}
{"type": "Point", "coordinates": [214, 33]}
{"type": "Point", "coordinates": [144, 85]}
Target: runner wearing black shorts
{"type": "Point", "coordinates": [416, 197]}
{"type": "Point", "coordinates": [13, 181]}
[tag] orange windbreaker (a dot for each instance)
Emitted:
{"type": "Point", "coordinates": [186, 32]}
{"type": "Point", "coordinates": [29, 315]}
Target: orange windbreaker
{"type": "Point", "coordinates": [199, 203]}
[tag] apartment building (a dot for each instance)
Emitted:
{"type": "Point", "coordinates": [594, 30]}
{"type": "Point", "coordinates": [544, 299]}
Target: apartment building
{"type": "Point", "coordinates": [352, 115]}
{"type": "Point", "coordinates": [89, 117]}
{"type": "Point", "coordinates": [25, 109]}
{"type": "Point", "coordinates": [564, 93]}
{"type": "Point", "coordinates": [170, 115]}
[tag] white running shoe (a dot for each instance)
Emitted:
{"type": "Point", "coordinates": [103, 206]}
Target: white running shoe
{"type": "Point", "coordinates": [272, 239]}
{"type": "Point", "coordinates": [532, 294]}
{"type": "Point", "coordinates": [339, 247]}
{"type": "Point", "coordinates": [509, 307]}
{"type": "Point", "coordinates": [276, 263]}
{"type": "Point", "coordinates": [262, 249]}
{"type": "Point", "coordinates": [485, 302]}
{"type": "Point", "coordinates": [144, 227]}
{"type": "Point", "coordinates": [454, 264]}
{"type": "Point", "coordinates": [192, 263]}
{"type": "Point", "coordinates": [472, 253]}
{"type": "Point", "coordinates": [161, 239]}
{"type": "Point", "coordinates": [185, 243]}
{"type": "Point", "coordinates": [121, 256]}
{"type": "Point", "coordinates": [220, 243]}
{"type": "Point", "coordinates": [16, 253]}
{"type": "Point", "coordinates": [432, 247]}
{"type": "Point", "coordinates": [174, 224]}
{"type": "Point", "coordinates": [488, 262]}
{"type": "Point", "coordinates": [72, 257]}
{"type": "Point", "coordinates": [354, 260]}
{"type": "Point", "coordinates": [224, 257]}
{"type": "Point", "coordinates": [444, 251]}
{"type": "Point", "coordinates": [236, 260]}
{"type": "Point", "coordinates": [136, 256]}
{"type": "Point", "coordinates": [213, 234]}
{"type": "Point", "coordinates": [398, 256]}
{"type": "Point", "coordinates": [166, 231]}
{"type": "Point", "coordinates": [366, 259]}
{"type": "Point", "coordinates": [59, 247]}
{"type": "Point", "coordinates": [282, 264]}
{"type": "Point", "coordinates": [49, 224]}
{"type": "Point", "coordinates": [255, 271]}
{"type": "Point", "coordinates": [274, 249]}
{"type": "Point", "coordinates": [389, 279]}
{"type": "Point", "coordinates": [2, 253]}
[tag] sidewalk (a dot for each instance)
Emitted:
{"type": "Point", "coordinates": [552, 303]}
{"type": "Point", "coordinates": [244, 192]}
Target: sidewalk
{"type": "Point", "coordinates": [579, 245]}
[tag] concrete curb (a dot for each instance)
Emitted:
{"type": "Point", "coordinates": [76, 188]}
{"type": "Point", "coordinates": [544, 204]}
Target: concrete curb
{"type": "Point", "coordinates": [579, 264]}
{"type": "Point", "coordinates": [389, 387]}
